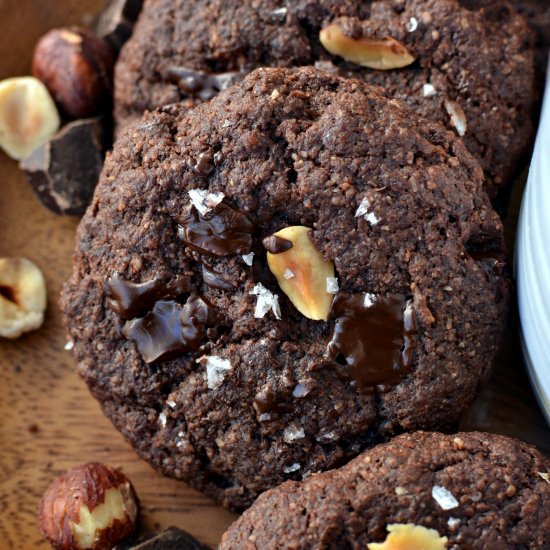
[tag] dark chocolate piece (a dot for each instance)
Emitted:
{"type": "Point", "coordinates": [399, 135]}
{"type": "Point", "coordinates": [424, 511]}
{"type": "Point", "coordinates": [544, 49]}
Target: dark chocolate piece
{"type": "Point", "coordinates": [221, 232]}
{"type": "Point", "coordinates": [116, 22]}
{"type": "Point", "coordinates": [171, 538]}
{"type": "Point", "coordinates": [374, 339]}
{"type": "Point", "coordinates": [215, 280]}
{"type": "Point", "coordinates": [170, 329]}
{"type": "Point", "coordinates": [131, 300]}
{"type": "Point", "coordinates": [64, 171]}
{"type": "Point", "coordinates": [203, 164]}
{"type": "Point", "coordinates": [202, 85]}
{"type": "Point", "coordinates": [275, 244]}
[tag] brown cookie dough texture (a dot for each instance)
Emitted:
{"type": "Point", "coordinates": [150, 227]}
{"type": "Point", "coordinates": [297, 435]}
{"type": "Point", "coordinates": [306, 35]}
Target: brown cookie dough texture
{"type": "Point", "coordinates": [186, 338]}
{"type": "Point", "coordinates": [480, 491]}
{"type": "Point", "coordinates": [473, 68]}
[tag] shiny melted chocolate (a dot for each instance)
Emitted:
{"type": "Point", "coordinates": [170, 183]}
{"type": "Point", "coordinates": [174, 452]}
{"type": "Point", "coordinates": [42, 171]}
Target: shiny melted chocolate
{"type": "Point", "coordinates": [221, 232]}
{"type": "Point", "coordinates": [375, 339]}
{"type": "Point", "coordinates": [170, 328]}
{"type": "Point", "coordinates": [201, 85]}
{"type": "Point", "coordinates": [276, 245]}
{"type": "Point", "coordinates": [492, 262]}
{"type": "Point", "coordinates": [131, 300]}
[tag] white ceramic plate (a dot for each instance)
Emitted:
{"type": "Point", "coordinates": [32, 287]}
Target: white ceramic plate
{"type": "Point", "coordinates": [533, 263]}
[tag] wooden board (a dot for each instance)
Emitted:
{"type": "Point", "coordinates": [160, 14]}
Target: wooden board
{"type": "Point", "coordinates": [48, 420]}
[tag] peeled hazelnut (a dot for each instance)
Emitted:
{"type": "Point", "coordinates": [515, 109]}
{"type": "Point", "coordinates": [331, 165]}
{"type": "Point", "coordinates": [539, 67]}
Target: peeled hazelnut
{"type": "Point", "coordinates": [410, 537]}
{"type": "Point", "coordinates": [302, 273]}
{"type": "Point", "coordinates": [22, 297]}
{"type": "Point", "coordinates": [91, 507]}
{"type": "Point", "coordinates": [77, 68]}
{"type": "Point", "coordinates": [28, 116]}
{"type": "Point", "coordinates": [375, 53]}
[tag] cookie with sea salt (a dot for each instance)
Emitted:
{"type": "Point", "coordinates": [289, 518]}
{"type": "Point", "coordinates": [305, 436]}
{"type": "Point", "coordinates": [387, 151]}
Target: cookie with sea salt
{"type": "Point", "coordinates": [467, 64]}
{"type": "Point", "coordinates": [423, 491]}
{"type": "Point", "coordinates": [268, 284]}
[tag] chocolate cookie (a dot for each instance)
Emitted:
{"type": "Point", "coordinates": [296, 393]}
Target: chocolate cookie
{"type": "Point", "coordinates": [218, 235]}
{"type": "Point", "coordinates": [479, 491]}
{"type": "Point", "coordinates": [471, 62]}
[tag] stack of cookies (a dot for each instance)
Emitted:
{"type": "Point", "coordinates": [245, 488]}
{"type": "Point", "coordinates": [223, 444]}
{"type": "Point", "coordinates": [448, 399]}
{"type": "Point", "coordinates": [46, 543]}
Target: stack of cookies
{"type": "Point", "coordinates": [292, 257]}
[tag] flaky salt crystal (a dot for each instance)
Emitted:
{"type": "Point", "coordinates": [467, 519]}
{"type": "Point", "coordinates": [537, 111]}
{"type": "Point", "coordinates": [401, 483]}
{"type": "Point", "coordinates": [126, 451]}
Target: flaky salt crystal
{"type": "Point", "coordinates": [332, 285]}
{"type": "Point", "coordinates": [293, 433]}
{"type": "Point", "coordinates": [444, 497]}
{"type": "Point", "coordinates": [69, 345]}
{"type": "Point", "coordinates": [266, 301]}
{"type": "Point", "coordinates": [369, 300]}
{"type": "Point", "coordinates": [412, 24]}
{"type": "Point", "coordinates": [428, 90]}
{"type": "Point", "coordinates": [162, 419]}
{"type": "Point", "coordinates": [458, 118]}
{"type": "Point", "coordinates": [216, 370]}
{"type": "Point", "coordinates": [204, 201]}
{"type": "Point", "coordinates": [248, 258]}
{"type": "Point", "coordinates": [292, 468]}
{"type": "Point", "coordinates": [363, 210]}
{"type": "Point", "coordinates": [288, 274]}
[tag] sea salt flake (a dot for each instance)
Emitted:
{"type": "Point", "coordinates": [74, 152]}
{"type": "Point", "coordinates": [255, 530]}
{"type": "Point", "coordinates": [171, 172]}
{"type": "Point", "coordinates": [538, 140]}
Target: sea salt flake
{"type": "Point", "coordinates": [412, 24]}
{"type": "Point", "coordinates": [162, 419]}
{"type": "Point", "coordinates": [327, 437]}
{"type": "Point", "coordinates": [444, 497]}
{"type": "Point", "coordinates": [180, 434]}
{"type": "Point", "coordinates": [293, 433]}
{"type": "Point", "coordinates": [69, 345]}
{"type": "Point", "coordinates": [266, 301]}
{"type": "Point", "coordinates": [458, 118]}
{"type": "Point", "coordinates": [369, 300]}
{"type": "Point", "coordinates": [363, 210]}
{"type": "Point", "coordinates": [428, 90]}
{"type": "Point", "coordinates": [171, 404]}
{"type": "Point", "coordinates": [545, 476]}
{"type": "Point", "coordinates": [400, 491]}
{"type": "Point", "coordinates": [332, 285]}
{"type": "Point", "coordinates": [216, 370]}
{"type": "Point", "coordinates": [288, 274]}
{"type": "Point", "coordinates": [179, 444]}
{"type": "Point", "coordinates": [453, 523]}
{"type": "Point", "coordinates": [204, 201]}
{"type": "Point", "coordinates": [248, 258]}
{"type": "Point", "coordinates": [292, 468]}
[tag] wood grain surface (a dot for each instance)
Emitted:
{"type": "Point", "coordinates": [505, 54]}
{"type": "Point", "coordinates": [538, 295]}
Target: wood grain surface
{"type": "Point", "coordinates": [48, 420]}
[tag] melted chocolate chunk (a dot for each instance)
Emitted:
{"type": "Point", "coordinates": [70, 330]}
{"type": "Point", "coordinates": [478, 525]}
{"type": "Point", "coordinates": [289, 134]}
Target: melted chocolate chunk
{"type": "Point", "coordinates": [215, 280]}
{"type": "Point", "coordinates": [267, 404]}
{"type": "Point", "coordinates": [222, 232]}
{"type": "Point", "coordinates": [275, 245]}
{"type": "Point", "coordinates": [170, 329]}
{"type": "Point", "coordinates": [131, 300]}
{"type": "Point", "coordinates": [375, 343]}
{"type": "Point", "coordinates": [203, 164]}
{"type": "Point", "coordinates": [201, 85]}
{"type": "Point", "coordinates": [492, 262]}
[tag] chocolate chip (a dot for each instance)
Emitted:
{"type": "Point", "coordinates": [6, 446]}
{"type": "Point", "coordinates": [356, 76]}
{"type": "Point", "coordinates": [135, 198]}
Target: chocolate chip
{"type": "Point", "coordinates": [117, 20]}
{"type": "Point", "coordinates": [203, 164]}
{"type": "Point", "coordinates": [374, 338]}
{"type": "Point", "coordinates": [215, 279]}
{"type": "Point", "coordinates": [170, 329]}
{"type": "Point", "coordinates": [64, 171]}
{"type": "Point", "coordinates": [202, 85]}
{"type": "Point", "coordinates": [131, 300]}
{"type": "Point", "coordinates": [223, 231]}
{"type": "Point", "coordinates": [169, 539]}
{"type": "Point", "coordinates": [275, 244]}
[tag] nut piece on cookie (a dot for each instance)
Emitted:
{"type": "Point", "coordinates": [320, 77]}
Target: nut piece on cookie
{"type": "Point", "coordinates": [91, 506]}
{"type": "Point", "coordinates": [301, 271]}
{"type": "Point", "coordinates": [410, 537]}
{"type": "Point", "coordinates": [77, 68]}
{"type": "Point", "coordinates": [374, 53]}
{"type": "Point", "coordinates": [22, 297]}
{"type": "Point", "coordinates": [28, 116]}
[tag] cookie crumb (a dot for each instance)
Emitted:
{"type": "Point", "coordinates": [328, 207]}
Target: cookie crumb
{"type": "Point", "coordinates": [545, 476]}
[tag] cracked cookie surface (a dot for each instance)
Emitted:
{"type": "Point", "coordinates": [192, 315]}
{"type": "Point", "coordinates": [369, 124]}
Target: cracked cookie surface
{"type": "Point", "coordinates": [474, 57]}
{"type": "Point", "coordinates": [480, 491]}
{"type": "Point", "coordinates": [182, 332]}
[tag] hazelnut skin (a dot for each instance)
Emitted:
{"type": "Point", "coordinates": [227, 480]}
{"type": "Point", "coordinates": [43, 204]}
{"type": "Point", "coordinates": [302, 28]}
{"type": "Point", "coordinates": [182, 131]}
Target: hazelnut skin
{"type": "Point", "coordinates": [91, 506]}
{"type": "Point", "coordinates": [77, 68]}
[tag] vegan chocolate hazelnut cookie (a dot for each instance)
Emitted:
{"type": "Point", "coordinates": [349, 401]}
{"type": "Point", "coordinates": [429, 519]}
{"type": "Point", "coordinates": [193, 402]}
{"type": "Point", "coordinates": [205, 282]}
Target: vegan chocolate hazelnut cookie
{"type": "Point", "coordinates": [427, 490]}
{"type": "Point", "coordinates": [466, 64]}
{"type": "Point", "coordinates": [270, 283]}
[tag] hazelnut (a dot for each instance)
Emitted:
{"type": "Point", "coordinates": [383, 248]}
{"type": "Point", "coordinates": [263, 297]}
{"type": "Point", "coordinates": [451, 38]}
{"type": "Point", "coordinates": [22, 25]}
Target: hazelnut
{"type": "Point", "coordinates": [374, 53]}
{"type": "Point", "coordinates": [22, 297]}
{"type": "Point", "coordinates": [302, 273]}
{"type": "Point", "coordinates": [77, 68]}
{"type": "Point", "coordinates": [28, 116]}
{"type": "Point", "coordinates": [91, 506]}
{"type": "Point", "coordinates": [410, 537]}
